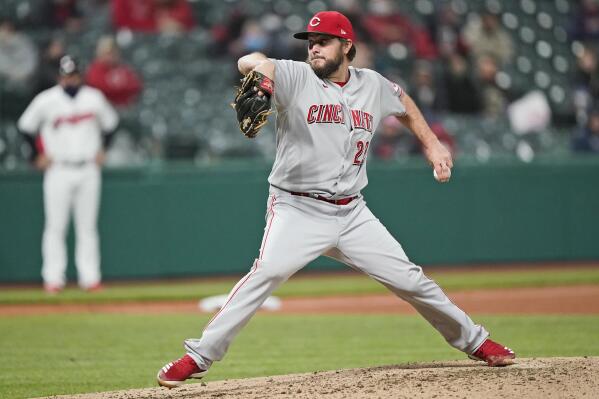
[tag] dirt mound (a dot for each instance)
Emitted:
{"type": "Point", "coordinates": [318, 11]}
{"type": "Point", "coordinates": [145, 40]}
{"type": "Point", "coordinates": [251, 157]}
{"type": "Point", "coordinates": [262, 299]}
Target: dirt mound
{"type": "Point", "coordinates": [530, 378]}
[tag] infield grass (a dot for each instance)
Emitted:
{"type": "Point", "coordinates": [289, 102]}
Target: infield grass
{"type": "Point", "coordinates": [76, 353]}
{"type": "Point", "coordinates": [349, 283]}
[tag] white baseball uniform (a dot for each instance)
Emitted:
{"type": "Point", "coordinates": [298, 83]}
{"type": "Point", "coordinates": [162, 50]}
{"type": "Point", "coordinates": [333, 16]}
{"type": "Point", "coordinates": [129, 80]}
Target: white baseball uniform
{"type": "Point", "coordinates": [323, 134]}
{"type": "Point", "coordinates": [71, 129]}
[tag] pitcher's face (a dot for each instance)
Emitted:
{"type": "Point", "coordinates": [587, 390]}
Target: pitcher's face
{"type": "Point", "coordinates": [325, 54]}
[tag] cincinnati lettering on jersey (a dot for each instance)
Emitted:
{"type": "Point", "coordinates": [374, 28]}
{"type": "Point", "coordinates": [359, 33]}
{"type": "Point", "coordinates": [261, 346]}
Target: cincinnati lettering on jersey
{"type": "Point", "coordinates": [333, 113]}
{"type": "Point", "coordinates": [361, 119]}
{"type": "Point", "coordinates": [73, 119]}
{"type": "Point", "coordinates": [325, 113]}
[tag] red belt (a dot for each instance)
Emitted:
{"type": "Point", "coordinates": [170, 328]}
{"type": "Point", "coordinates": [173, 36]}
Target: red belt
{"type": "Point", "coordinates": [342, 201]}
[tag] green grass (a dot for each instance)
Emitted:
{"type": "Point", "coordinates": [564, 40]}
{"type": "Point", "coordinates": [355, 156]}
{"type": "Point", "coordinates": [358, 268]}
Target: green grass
{"type": "Point", "coordinates": [339, 284]}
{"type": "Point", "coordinates": [76, 353]}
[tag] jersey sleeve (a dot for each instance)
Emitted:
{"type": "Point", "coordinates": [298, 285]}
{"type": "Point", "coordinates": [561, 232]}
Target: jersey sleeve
{"type": "Point", "coordinates": [31, 120]}
{"type": "Point", "coordinates": [107, 116]}
{"type": "Point", "coordinates": [391, 94]}
{"type": "Point", "coordinates": [290, 78]}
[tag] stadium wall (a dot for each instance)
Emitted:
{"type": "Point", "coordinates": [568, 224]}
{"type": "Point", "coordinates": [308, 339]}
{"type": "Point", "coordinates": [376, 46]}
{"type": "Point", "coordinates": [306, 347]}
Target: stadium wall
{"type": "Point", "coordinates": [179, 220]}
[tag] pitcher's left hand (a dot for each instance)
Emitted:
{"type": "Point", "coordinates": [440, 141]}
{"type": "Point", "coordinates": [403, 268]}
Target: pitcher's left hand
{"type": "Point", "coordinates": [440, 159]}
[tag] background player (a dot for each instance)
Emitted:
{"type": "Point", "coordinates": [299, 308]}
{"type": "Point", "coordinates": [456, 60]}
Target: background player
{"type": "Point", "coordinates": [74, 123]}
{"type": "Point", "coordinates": [326, 115]}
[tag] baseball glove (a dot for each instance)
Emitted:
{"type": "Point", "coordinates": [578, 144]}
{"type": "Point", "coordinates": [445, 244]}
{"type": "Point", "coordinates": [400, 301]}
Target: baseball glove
{"type": "Point", "coordinates": [253, 109]}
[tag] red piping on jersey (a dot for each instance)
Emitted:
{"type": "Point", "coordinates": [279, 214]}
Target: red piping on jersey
{"type": "Point", "coordinates": [254, 268]}
{"type": "Point", "coordinates": [272, 212]}
{"type": "Point", "coordinates": [239, 285]}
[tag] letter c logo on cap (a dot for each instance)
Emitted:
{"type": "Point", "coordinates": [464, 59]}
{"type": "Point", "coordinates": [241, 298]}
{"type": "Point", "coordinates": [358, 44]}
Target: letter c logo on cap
{"type": "Point", "coordinates": [315, 21]}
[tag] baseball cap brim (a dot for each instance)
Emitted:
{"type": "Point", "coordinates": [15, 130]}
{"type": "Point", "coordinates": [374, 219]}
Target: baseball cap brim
{"type": "Point", "coordinates": [73, 72]}
{"type": "Point", "coordinates": [304, 35]}
{"type": "Point", "coordinates": [301, 35]}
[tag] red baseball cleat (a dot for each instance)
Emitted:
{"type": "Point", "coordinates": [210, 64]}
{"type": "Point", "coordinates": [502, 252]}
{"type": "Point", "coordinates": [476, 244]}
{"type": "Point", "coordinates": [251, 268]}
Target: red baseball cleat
{"type": "Point", "coordinates": [52, 289]}
{"type": "Point", "coordinates": [175, 373]}
{"type": "Point", "coordinates": [494, 354]}
{"type": "Point", "coordinates": [95, 288]}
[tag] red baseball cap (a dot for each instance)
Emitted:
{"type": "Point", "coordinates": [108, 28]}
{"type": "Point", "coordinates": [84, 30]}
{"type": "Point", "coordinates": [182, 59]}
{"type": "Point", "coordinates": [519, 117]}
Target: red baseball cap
{"type": "Point", "coordinates": [329, 23]}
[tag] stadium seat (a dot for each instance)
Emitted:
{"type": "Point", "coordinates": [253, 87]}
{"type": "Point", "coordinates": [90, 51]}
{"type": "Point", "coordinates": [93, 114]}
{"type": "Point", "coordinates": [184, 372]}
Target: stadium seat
{"type": "Point", "coordinates": [187, 91]}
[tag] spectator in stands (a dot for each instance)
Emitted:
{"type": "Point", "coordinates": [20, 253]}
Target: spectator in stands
{"type": "Point", "coordinates": [587, 139]}
{"type": "Point", "coordinates": [50, 61]}
{"type": "Point", "coordinates": [63, 14]}
{"type": "Point", "coordinates": [354, 11]}
{"type": "Point", "coordinates": [485, 36]}
{"type": "Point", "coordinates": [493, 98]}
{"type": "Point", "coordinates": [385, 25]}
{"type": "Point", "coordinates": [443, 135]}
{"type": "Point", "coordinates": [461, 92]}
{"type": "Point", "coordinates": [18, 56]}
{"type": "Point", "coordinates": [424, 89]}
{"type": "Point", "coordinates": [586, 21]}
{"type": "Point", "coordinates": [118, 81]}
{"type": "Point", "coordinates": [445, 27]}
{"type": "Point", "coordinates": [225, 31]}
{"type": "Point", "coordinates": [153, 16]}
{"type": "Point", "coordinates": [253, 38]}
{"type": "Point", "coordinates": [364, 58]}
{"type": "Point", "coordinates": [393, 141]}
{"type": "Point", "coordinates": [586, 92]}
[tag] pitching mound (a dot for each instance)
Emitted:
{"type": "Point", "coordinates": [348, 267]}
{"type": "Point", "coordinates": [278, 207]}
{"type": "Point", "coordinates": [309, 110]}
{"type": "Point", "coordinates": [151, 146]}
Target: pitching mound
{"type": "Point", "coordinates": [530, 378]}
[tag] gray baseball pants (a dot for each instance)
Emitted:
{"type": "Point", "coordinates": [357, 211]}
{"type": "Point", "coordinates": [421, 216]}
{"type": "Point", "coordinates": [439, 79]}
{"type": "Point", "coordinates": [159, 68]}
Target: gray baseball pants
{"type": "Point", "coordinates": [298, 230]}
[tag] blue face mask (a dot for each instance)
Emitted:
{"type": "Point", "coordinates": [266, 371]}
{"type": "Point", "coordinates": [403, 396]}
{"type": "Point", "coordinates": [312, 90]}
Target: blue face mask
{"type": "Point", "coordinates": [71, 90]}
{"type": "Point", "coordinates": [255, 42]}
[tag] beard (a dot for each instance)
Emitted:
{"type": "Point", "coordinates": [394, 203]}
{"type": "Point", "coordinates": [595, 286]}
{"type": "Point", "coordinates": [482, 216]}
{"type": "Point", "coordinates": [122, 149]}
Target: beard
{"type": "Point", "coordinates": [329, 66]}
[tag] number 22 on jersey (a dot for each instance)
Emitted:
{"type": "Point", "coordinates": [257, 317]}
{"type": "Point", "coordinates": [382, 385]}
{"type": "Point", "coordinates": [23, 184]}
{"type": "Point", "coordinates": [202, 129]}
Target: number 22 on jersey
{"type": "Point", "coordinates": [362, 150]}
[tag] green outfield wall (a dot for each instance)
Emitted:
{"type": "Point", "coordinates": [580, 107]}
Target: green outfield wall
{"type": "Point", "coordinates": [181, 220]}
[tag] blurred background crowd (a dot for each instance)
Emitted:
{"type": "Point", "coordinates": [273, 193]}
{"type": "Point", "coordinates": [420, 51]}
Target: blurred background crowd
{"type": "Point", "coordinates": [511, 78]}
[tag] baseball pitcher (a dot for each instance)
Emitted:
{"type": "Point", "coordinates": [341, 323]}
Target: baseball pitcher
{"type": "Point", "coordinates": [326, 115]}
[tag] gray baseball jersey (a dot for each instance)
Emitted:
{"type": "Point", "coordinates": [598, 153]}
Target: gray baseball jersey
{"type": "Point", "coordinates": [324, 130]}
